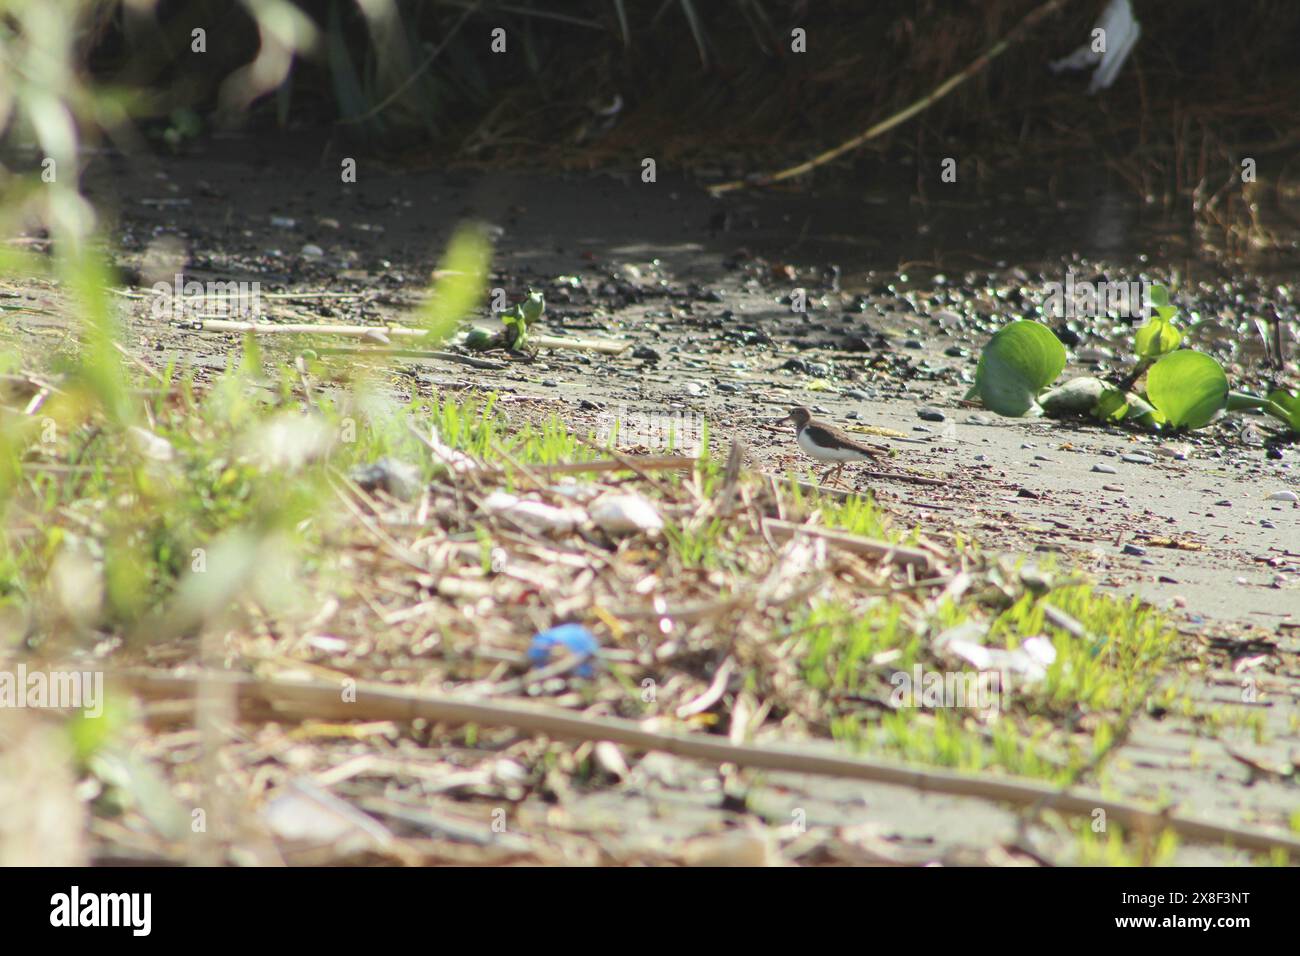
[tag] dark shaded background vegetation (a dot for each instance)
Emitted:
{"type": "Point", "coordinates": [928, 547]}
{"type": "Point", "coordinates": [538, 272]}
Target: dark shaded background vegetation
{"type": "Point", "coordinates": [714, 81]}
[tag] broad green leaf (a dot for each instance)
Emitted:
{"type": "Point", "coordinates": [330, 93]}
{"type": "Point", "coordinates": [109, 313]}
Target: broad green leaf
{"type": "Point", "coordinates": [1020, 360]}
{"type": "Point", "coordinates": [1188, 388]}
{"type": "Point", "coordinates": [1112, 406]}
{"type": "Point", "coordinates": [1159, 295]}
{"type": "Point", "coordinates": [1158, 337]}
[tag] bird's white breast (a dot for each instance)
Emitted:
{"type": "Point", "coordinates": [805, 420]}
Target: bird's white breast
{"type": "Point", "coordinates": [828, 454]}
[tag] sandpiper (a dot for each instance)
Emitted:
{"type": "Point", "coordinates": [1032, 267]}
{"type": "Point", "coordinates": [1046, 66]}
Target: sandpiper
{"type": "Point", "coordinates": [826, 442]}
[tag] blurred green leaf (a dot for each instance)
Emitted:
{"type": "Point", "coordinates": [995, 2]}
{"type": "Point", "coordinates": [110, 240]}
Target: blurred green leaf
{"type": "Point", "coordinates": [460, 283]}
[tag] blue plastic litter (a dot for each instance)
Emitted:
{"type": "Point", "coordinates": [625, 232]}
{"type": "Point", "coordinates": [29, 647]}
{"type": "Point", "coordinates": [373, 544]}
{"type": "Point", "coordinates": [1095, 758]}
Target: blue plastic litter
{"type": "Point", "coordinates": [574, 638]}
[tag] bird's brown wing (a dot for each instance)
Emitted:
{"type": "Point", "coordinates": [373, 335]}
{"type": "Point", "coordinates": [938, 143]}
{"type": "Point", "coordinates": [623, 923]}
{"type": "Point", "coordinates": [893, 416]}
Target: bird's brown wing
{"type": "Point", "coordinates": [825, 435]}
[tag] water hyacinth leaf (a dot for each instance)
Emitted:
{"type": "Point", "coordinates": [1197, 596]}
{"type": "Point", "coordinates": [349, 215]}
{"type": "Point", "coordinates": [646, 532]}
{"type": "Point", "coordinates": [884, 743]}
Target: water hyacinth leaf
{"type": "Point", "coordinates": [1019, 361]}
{"type": "Point", "coordinates": [1189, 388]}
{"type": "Point", "coordinates": [1112, 406]}
{"type": "Point", "coordinates": [1285, 405]}
{"type": "Point", "coordinates": [1240, 401]}
{"type": "Point", "coordinates": [1158, 337]}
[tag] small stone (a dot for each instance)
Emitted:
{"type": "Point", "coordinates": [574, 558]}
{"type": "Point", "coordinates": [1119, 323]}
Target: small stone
{"type": "Point", "coordinates": [1181, 452]}
{"type": "Point", "coordinates": [1044, 458]}
{"type": "Point", "coordinates": [981, 457]}
{"type": "Point", "coordinates": [311, 251]}
{"type": "Point", "coordinates": [1134, 550]}
{"type": "Point", "coordinates": [1026, 493]}
{"type": "Point", "coordinates": [1225, 503]}
{"type": "Point", "coordinates": [1105, 469]}
{"type": "Point", "coordinates": [1136, 459]}
{"type": "Point", "coordinates": [646, 353]}
{"type": "Point", "coordinates": [929, 413]}
{"type": "Point", "coordinates": [1027, 444]}
{"type": "Point", "coordinates": [550, 383]}
{"type": "Point", "coordinates": [978, 419]}
{"type": "Point", "coordinates": [1166, 579]}
{"type": "Point", "coordinates": [1265, 523]}
{"type": "Point", "coordinates": [1092, 355]}
{"type": "Point", "coordinates": [1284, 496]}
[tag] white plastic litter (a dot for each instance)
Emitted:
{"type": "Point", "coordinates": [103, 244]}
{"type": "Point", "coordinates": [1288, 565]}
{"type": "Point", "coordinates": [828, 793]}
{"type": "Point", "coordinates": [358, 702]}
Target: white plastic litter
{"type": "Point", "coordinates": [1120, 31]}
{"type": "Point", "coordinates": [1031, 659]}
{"type": "Point", "coordinates": [150, 445]}
{"type": "Point", "coordinates": [456, 461]}
{"type": "Point", "coordinates": [625, 514]}
{"type": "Point", "coordinates": [533, 514]}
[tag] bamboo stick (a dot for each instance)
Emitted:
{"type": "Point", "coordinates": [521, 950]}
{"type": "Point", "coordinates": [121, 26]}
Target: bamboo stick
{"type": "Point", "coordinates": [373, 701]}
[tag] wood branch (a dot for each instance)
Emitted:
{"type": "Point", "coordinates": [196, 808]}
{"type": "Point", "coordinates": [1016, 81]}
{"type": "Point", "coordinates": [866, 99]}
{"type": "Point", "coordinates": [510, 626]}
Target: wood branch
{"type": "Point", "coordinates": [303, 328]}
{"type": "Point", "coordinates": [857, 544]}
{"type": "Point", "coordinates": [454, 357]}
{"type": "Point", "coordinates": [631, 463]}
{"type": "Point", "coordinates": [903, 115]}
{"type": "Point", "coordinates": [312, 699]}
{"type": "Point", "coordinates": [579, 345]}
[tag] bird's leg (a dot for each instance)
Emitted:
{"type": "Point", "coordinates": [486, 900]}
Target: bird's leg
{"type": "Point", "coordinates": [838, 469]}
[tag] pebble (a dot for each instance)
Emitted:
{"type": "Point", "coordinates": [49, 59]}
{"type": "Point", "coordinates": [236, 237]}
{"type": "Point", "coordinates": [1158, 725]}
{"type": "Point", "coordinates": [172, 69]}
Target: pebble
{"type": "Point", "coordinates": [1265, 523]}
{"type": "Point", "coordinates": [1027, 444]}
{"type": "Point", "coordinates": [929, 413]}
{"type": "Point", "coordinates": [1137, 459]}
{"type": "Point", "coordinates": [1166, 579]}
{"type": "Point", "coordinates": [913, 344]}
{"type": "Point", "coordinates": [1224, 503]}
{"type": "Point", "coordinates": [1026, 493]}
{"type": "Point", "coordinates": [981, 457]}
{"type": "Point", "coordinates": [978, 419]}
{"type": "Point", "coordinates": [1134, 550]}
{"type": "Point", "coordinates": [550, 383]}
{"type": "Point", "coordinates": [1284, 496]}
{"type": "Point", "coordinates": [1181, 452]}
{"type": "Point", "coordinates": [646, 352]}
{"type": "Point", "coordinates": [1105, 469]}
{"type": "Point", "coordinates": [859, 394]}
{"type": "Point", "coordinates": [312, 251]}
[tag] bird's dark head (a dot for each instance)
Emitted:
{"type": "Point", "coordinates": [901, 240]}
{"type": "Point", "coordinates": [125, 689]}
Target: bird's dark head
{"type": "Point", "coordinates": [801, 415]}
